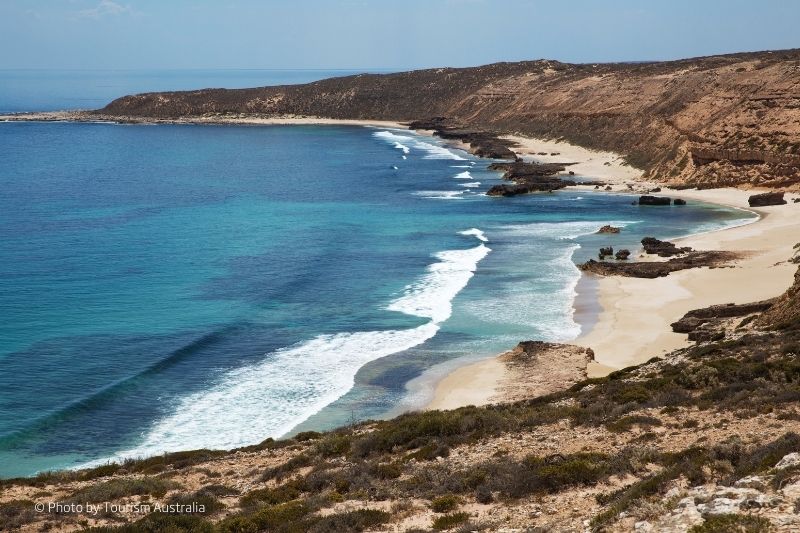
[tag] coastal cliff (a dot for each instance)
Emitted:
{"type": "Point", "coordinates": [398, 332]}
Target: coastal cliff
{"type": "Point", "coordinates": [728, 120]}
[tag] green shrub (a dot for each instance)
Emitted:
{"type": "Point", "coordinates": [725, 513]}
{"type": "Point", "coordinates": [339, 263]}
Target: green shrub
{"type": "Point", "coordinates": [358, 520]}
{"type": "Point", "coordinates": [449, 521]}
{"type": "Point", "coordinates": [307, 435]}
{"type": "Point", "coordinates": [429, 452]}
{"type": "Point", "coordinates": [627, 422]}
{"type": "Point", "coordinates": [386, 471]}
{"type": "Point", "coordinates": [16, 513]}
{"type": "Point", "coordinates": [298, 461]}
{"type": "Point", "coordinates": [283, 518]}
{"type": "Point", "coordinates": [291, 490]}
{"type": "Point", "coordinates": [733, 523]}
{"type": "Point", "coordinates": [445, 504]}
{"type": "Point", "coordinates": [121, 487]}
{"type": "Point", "coordinates": [334, 444]}
{"type": "Point", "coordinates": [203, 498]}
{"type": "Point", "coordinates": [161, 523]}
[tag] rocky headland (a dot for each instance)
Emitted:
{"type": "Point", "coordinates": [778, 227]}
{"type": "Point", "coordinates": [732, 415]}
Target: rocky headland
{"type": "Point", "coordinates": [727, 120]}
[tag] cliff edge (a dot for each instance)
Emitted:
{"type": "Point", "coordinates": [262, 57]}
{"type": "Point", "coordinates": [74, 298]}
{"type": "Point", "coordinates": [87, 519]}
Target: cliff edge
{"type": "Point", "coordinates": [728, 120]}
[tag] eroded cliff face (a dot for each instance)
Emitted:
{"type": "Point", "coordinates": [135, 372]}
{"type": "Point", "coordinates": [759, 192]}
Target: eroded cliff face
{"type": "Point", "coordinates": [722, 120]}
{"type": "Point", "coordinates": [785, 313]}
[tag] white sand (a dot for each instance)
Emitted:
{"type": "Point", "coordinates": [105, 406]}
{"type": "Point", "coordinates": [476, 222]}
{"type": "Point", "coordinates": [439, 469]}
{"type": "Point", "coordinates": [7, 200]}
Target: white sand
{"type": "Point", "coordinates": [634, 321]}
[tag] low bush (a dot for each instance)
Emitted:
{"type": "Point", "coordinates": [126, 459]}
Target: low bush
{"type": "Point", "coordinates": [16, 513]}
{"type": "Point", "coordinates": [358, 520]}
{"type": "Point", "coordinates": [626, 423]}
{"type": "Point", "coordinates": [206, 502]}
{"type": "Point", "coordinates": [291, 490]}
{"type": "Point", "coordinates": [733, 523]}
{"type": "Point", "coordinates": [161, 522]}
{"type": "Point", "coordinates": [445, 504]}
{"type": "Point", "coordinates": [449, 521]}
{"type": "Point", "coordinates": [121, 487]}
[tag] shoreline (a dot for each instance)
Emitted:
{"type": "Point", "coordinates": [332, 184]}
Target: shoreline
{"type": "Point", "coordinates": [626, 321]}
{"type": "Point", "coordinates": [209, 120]}
{"type": "Point", "coordinates": [605, 307]}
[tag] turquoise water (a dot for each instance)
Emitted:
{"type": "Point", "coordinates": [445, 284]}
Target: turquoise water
{"type": "Point", "coordinates": [176, 287]}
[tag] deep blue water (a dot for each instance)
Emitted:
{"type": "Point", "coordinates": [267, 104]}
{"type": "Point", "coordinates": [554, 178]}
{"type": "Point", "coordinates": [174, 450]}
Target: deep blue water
{"type": "Point", "coordinates": [175, 287]}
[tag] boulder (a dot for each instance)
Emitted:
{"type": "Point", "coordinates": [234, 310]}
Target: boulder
{"type": "Point", "coordinates": [622, 255]}
{"type": "Point", "coordinates": [605, 251]}
{"type": "Point", "coordinates": [608, 229]}
{"type": "Point", "coordinates": [678, 201]}
{"type": "Point", "coordinates": [654, 200]}
{"type": "Point", "coordinates": [788, 461]}
{"type": "Point", "coordinates": [662, 248]}
{"type": "Point", "coordinates": [766, 198]}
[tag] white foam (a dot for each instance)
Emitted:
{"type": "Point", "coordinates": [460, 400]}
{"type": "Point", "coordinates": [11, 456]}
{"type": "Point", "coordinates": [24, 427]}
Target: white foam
{"type": "Point", "coordinates": [471, 184]}
{"type": "Point", "coordinates": [433, 151]}
{"type": "Point", "coordinates": [431, 296]}
{"type": "Point", "coordinates": [481, 236]}
{"type": "Point", "coordinates": [441, 195]}
{"type": "Point", "coordinates": [464, 176]}
{"type": "Point", "coordinates": [562, 230]}
{"type": "Point", "coordinates": [402, 147]}
{"type": "Point", "coordinates": [249, 404]}
{"type": "Point", "coordinates": [544, 307]}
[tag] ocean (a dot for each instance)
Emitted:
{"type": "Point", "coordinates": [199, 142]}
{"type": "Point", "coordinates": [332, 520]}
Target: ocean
{"type": "Point", "coordinates": [175, 287]}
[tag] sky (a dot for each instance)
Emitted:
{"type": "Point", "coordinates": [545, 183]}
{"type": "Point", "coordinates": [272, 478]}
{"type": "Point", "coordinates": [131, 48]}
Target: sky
{"type": "Point", "coordinates": [380, 34]}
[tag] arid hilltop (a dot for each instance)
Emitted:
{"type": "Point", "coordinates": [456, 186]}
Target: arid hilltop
{"type": "Point", "coordinates": [712, 121]}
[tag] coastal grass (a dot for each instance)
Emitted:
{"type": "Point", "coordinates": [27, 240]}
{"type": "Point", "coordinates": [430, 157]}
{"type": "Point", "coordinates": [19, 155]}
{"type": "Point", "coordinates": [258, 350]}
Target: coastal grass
{"type": "Point", "coordinates": [449, 521]}
{"type": "Point", "coordinates": [733, 523]}
{"type": "Point", "coordinates": [402, 459]}
{"type": "Point", "coordinates": [122, 487]}
{"type": "Point", "coordinates": [16, 513]}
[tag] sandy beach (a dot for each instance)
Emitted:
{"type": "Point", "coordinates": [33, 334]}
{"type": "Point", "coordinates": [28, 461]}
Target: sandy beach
{"type": "Point", "coordinates": [241, 119]}
{"type": "Point", "coordinates": [633, 323]}
{"type": "Point", "coordinates": [634, 317]}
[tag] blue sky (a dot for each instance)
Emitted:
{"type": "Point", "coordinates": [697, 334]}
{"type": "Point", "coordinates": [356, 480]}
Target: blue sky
{"type": "Point", "coordinates": [371, 34]}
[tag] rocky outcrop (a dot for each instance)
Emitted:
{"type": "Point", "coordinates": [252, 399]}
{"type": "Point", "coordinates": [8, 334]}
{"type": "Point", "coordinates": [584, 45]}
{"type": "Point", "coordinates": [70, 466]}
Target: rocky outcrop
{"type": "Point", "coordinates": [605, 252]}
{"type": "Point", "coordinates": [765, 199]}
{"type": "Point", "coordinates": [537, 368]}
{"type": "Point", "coordinates": [528, 178]}
{"type": "Point", "coordinates": [622, 255]}
{"type": "Point", "coordinates": [751, 503]}
{"type": "Point", "coordinates": [481, 143]}
{"type": "Point", "coordinates": [654, 200]}
{"type": "Point", "coordinates": [785, 313]}
{"type": "Point", "coordinates": [656, 269]}
{"type": "Point", "coordinates": [711, 323]}
{"type": "Point", "coordinates": [660, 248]}
{"type": "Point", "coordinates": [608, 229]}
